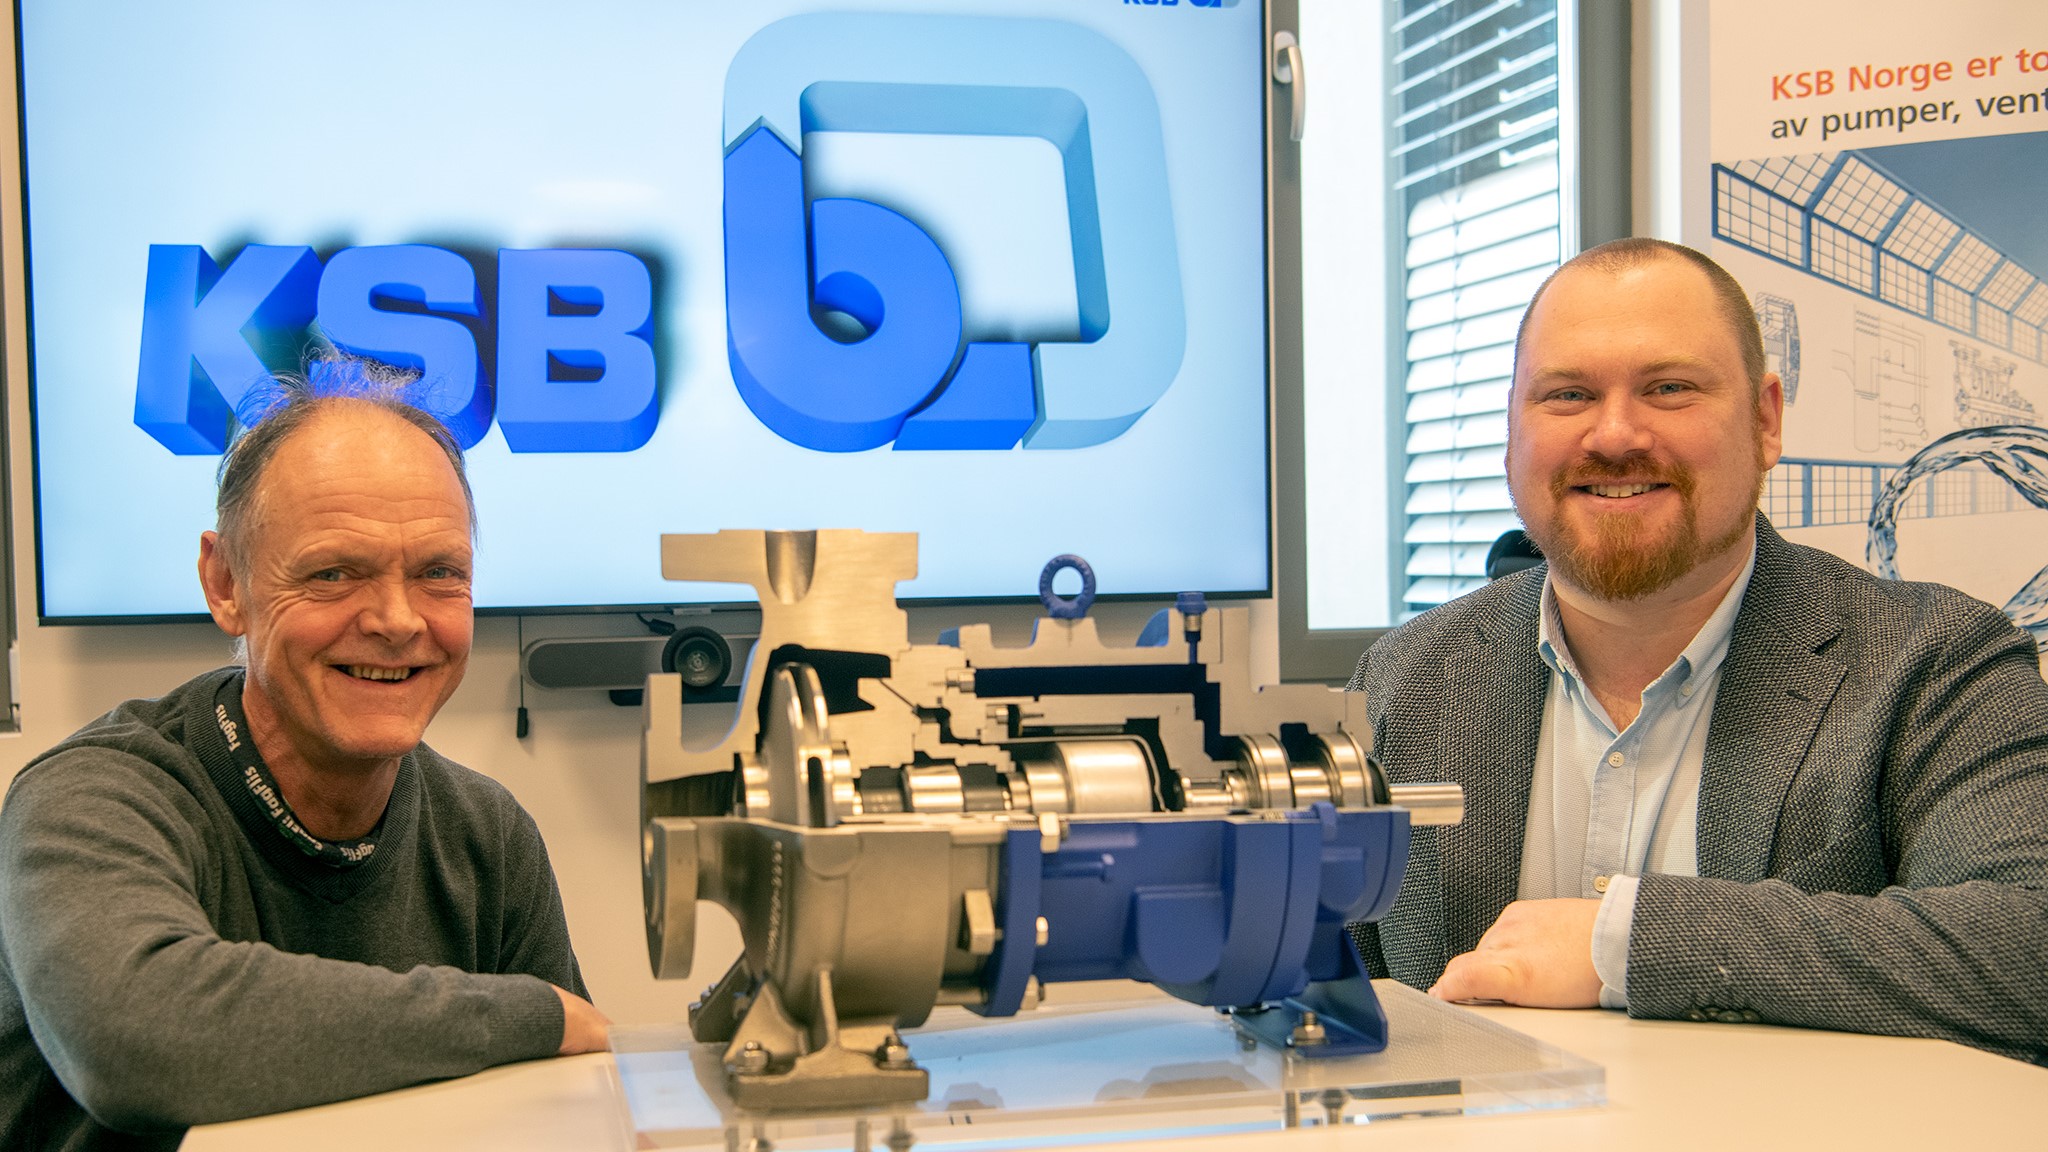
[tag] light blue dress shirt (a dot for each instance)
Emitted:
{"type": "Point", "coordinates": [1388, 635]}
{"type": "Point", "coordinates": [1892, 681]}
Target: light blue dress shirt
{"type": "Point", "coordinates": [1605, 807]}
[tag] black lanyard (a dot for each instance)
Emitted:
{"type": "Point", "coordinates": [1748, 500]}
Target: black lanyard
{"type": "Point", "coordinates": [256, 777]}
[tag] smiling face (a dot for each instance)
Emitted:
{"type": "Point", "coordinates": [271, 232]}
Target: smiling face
{"type": "Point", "coordinates": [354, 594]}
{"type": "Point", "coordinates": [1636, 444]}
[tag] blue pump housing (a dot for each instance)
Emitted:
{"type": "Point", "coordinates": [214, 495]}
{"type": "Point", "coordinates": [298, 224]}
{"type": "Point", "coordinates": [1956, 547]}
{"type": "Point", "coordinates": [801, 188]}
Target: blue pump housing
{"type": "Point", "coordinates": [1229, 912]}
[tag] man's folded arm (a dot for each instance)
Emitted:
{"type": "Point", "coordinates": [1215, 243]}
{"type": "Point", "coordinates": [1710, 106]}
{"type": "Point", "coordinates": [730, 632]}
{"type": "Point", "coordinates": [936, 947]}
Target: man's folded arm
{"type": "Point", "coordinates": [1954, 947]}
{"type": "Point", "coordinates": [1960, 963]}
{"type": "Point", "coordinates": [151, 1020]}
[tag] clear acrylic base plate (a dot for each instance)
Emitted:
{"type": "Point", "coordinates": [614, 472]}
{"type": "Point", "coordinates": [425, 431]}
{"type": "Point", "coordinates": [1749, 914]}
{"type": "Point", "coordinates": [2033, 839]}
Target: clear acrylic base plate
{"type": "Point", "coordinates": [1141, 1065]}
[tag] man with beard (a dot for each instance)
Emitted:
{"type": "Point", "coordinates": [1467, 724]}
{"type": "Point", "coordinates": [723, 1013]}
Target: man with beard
{"type": "Point", "coordinates": [1709, 774]}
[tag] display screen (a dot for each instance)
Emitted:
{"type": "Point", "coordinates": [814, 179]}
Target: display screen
{"type": "Point", "coordinates": [991, 272]}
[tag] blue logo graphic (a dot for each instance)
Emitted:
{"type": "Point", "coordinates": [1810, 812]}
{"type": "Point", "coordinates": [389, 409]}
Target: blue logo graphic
{"type": "Point", "coordinates": [909, 377]}
{"type": "Point", "coordinates": [575, 366]}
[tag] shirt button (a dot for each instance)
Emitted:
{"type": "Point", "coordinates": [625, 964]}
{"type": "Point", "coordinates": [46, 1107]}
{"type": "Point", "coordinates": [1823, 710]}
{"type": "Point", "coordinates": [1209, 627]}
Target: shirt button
{"type": "Point", "coordinates": [1599, 883]}
{"type": "Point", "coordinates": [1616, 759]}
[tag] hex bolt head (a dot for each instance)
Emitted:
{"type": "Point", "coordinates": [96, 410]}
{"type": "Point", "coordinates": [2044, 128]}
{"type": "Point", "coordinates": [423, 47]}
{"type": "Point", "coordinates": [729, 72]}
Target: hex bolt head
{"type": "Point", "coordinates": [1309, 1031]}
{"type": "Point", "coordinates": [893, 1054]}
{"type": "Point", "coordinates": [753, 1058]}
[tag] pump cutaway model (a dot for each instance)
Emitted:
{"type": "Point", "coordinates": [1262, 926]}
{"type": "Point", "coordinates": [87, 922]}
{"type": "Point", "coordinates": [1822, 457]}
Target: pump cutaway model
{"type": "Point", "coordinates": [898, 826]}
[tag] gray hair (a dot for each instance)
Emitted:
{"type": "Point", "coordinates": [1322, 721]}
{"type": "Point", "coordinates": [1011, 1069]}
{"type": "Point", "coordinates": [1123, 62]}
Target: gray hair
{"type": "Point", "coordinates": [271, 414]}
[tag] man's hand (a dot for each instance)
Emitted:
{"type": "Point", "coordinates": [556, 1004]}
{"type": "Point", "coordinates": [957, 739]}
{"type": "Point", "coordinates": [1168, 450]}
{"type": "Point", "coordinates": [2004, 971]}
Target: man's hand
{"type": "Point", "coordinates": [584, 1028]}
{"type": "Point", "coordinates": [1538, 954]}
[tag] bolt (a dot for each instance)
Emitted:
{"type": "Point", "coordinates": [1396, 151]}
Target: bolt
{"type": "Point", "coordinates": [893, 1054]}
{"type": "Point", "coordinates": [1309, 1031]}
{"type": "Point", "coordinates": [752, 1060]}
{"type": "Point", "coordinates": [1334, 1100]}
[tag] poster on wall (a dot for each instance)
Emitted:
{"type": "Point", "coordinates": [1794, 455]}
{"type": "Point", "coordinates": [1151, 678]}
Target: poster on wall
{"type": "Point", "coordinates": [1877, 169]}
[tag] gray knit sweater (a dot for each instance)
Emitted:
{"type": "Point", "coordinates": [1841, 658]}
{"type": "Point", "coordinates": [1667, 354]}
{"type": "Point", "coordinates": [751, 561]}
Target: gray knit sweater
{"type": "Point", "coordinates": [167, 958]}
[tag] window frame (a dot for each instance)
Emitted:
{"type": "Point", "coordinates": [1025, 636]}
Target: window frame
{"type": "Point", "coordinates": [1595, 189]}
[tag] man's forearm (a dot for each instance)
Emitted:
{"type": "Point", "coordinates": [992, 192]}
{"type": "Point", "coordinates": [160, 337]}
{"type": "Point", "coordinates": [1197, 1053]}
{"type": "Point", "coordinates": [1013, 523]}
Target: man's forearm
{"type": "Point", "coordinates": [234, 1047]}
{"type": "Point", "coordinates": [1960, 963]}
{"type": "Point", "coordinates": [151, 1020]}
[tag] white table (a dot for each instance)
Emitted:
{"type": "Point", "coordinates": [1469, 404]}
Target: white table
{"type": "Point", "coordinates": [1669, 1086]}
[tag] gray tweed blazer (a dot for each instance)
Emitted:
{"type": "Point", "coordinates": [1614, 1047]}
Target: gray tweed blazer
{"type": "Point", "coordinates": [1873, 815]}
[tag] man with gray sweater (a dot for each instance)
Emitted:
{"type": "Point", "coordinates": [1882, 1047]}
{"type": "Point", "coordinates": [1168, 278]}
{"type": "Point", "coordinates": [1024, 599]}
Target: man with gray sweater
{"type": "Point", "coordinates": [261, 891]}
{"type": "Point", "coordinates": [1709, 773]}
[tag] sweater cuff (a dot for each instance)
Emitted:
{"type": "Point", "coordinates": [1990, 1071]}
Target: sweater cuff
{"type": "Point", "coordinates": [1610, 939]}
{"type": "Point", "coordinates": [524, 1020]}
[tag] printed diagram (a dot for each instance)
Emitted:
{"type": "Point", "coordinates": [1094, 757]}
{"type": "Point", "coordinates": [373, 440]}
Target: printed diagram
{"type": "Point", "coordinates": [1984, 392]}
{"type": "Point", "coordinates": [1779, 320]}
{"type": "Point", "coordinates": [1888, 375]}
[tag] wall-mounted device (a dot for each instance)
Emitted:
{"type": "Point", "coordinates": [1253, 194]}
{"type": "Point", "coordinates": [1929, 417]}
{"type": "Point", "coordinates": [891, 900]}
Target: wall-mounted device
{"type": "Point", "coordinates": [707, 661]}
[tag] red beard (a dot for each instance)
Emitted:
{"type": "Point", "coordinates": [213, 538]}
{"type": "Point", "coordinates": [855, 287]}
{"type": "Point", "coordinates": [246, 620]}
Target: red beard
{"type": "Point", "coordinates": [1612, 557]}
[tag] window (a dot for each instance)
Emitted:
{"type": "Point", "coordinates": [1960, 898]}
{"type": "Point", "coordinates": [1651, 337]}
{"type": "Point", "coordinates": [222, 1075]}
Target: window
{"type": "Point", "coordinates": [1456, 151]}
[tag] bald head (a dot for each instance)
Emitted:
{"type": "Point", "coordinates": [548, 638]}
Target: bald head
{"type": "Point", "coordinates": [296, 410]}
{"type": "Point", "coordinates": [1618, 256]}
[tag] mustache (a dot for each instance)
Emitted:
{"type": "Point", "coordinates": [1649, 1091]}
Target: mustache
{"type": "Point", "coordinates": [1596, 470]}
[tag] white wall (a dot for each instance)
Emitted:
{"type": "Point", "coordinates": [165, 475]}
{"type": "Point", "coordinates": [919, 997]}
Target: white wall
{"type": "Point", "coordinates": [1669, 144]}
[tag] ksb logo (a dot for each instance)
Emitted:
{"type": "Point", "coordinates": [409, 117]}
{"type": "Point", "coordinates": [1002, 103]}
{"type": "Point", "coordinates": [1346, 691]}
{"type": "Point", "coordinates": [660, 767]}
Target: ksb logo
{"type": "Point", "coordinates": [574, 363]}
{"type": "Point", "coordinates": [910, 378]}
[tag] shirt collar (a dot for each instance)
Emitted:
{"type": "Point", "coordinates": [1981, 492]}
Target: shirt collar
{"type": "Point", "coordinates": [1701, 657]}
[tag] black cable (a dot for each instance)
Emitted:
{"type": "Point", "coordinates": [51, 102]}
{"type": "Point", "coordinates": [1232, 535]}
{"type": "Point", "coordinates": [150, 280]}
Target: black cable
{"type": "Point", "coordinates": [520, 726]}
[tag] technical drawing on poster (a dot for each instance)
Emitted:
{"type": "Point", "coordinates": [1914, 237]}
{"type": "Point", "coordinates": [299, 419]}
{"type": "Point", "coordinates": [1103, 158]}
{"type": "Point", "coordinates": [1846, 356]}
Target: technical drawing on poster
{"type": "Point", "coordinates": [1984, 393]}
{"type": "Point", "coordinates": [1921, 286]}
{"type": "Point", "coordinates": [1909, 248]}
{"type": "Point", "coordinates": [1778, 319]}
{"type": "Point", "coordinates": [1888, 377]}
{"type": "Point", "coordinates": [1848, 218]}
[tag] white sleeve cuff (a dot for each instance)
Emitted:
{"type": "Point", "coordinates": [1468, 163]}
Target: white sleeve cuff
{"type": "Point", "coordinates": [1610, 940]}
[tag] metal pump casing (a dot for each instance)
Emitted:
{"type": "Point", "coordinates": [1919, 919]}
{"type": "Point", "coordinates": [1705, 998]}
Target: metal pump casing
{"type": "Point", "coordinates": [898, 826]}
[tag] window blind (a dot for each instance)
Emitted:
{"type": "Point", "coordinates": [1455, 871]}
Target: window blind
{"type": "Point", "coordinates": [1474, 168]}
